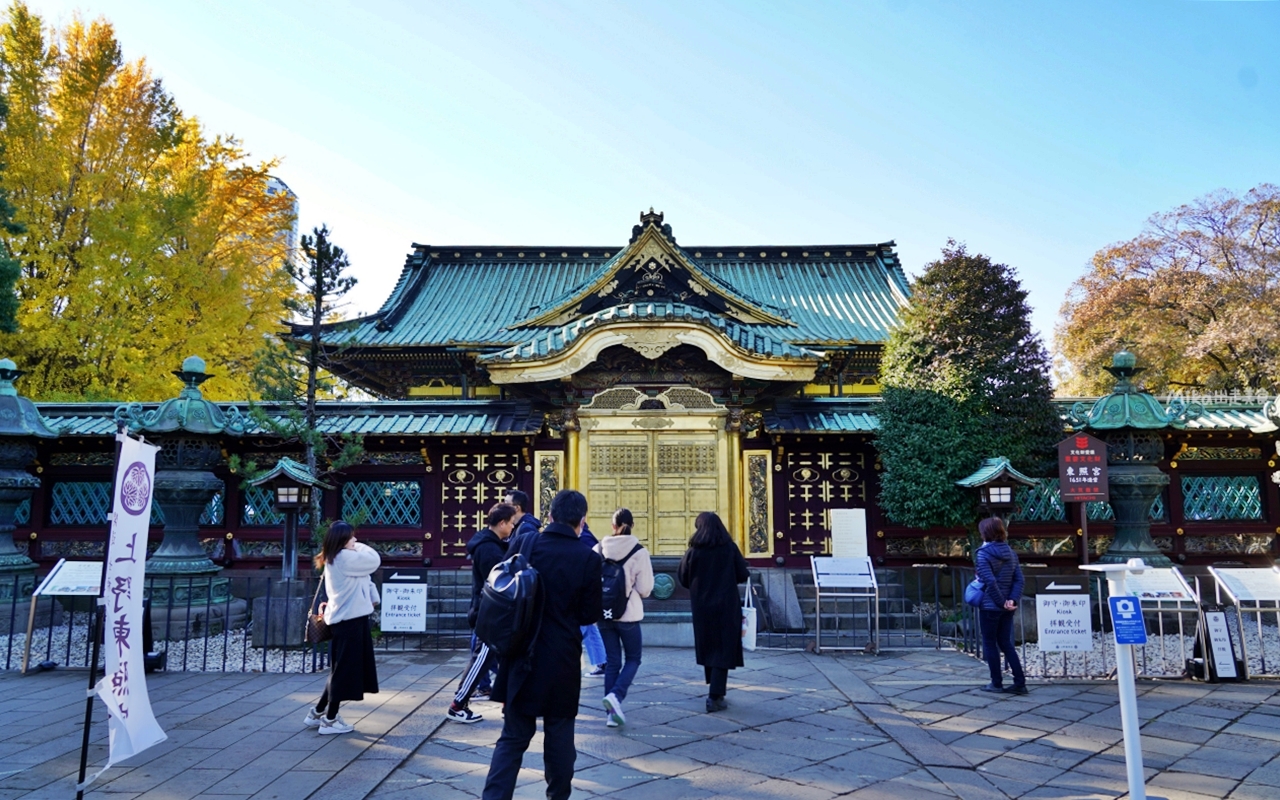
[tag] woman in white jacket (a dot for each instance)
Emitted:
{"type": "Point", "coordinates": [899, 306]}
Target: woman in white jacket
{"type": "Point", "coordinates": [623, 634]}
{"type": "Point", "coordinates": [351, 596]}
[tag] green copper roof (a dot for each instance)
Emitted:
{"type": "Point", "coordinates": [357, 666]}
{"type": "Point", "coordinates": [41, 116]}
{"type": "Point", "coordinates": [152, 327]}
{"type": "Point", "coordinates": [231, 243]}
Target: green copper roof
{"type": "Point", "coordinates": [994, 469]}
{"type": "Point", "coordinates": [546, 341]}
{"type": "Point", "coordinates": [298, 473]}
{"type": "Point", "coordinates": [823, 415]}
{"type": "Point", "coordinates": [474, 296]}
{"type": "Point", "coordinates": [406, 418]}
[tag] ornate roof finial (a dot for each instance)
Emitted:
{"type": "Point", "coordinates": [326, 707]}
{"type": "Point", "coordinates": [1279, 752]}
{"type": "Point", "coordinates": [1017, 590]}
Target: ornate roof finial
{"type": "Point", "coordinates": [651, 218]}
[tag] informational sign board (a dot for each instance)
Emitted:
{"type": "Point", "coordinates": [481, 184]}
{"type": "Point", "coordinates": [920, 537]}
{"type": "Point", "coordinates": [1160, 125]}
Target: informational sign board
{"type": "Point", "coordinates": [1160, 585]}
{"type": "Point", "coordinates": [843, 573]}
{"type": "Point", "coordinates": [849, 532]}
{"type": "Point", "coordinates": [1224, 654]}
{"type": "Point", "coordinates": [1062, 616]}
{"type": "Point", "coordinates": [404, 601]}
{"type": "Point", "coordinates": [70, 578]}
{"type": "Point", "coordinates": [1126, 620]}
{"type": "Point", "coordinates": [1082, 469]}
{"type": "Point", "coordinates": [1250, 585]}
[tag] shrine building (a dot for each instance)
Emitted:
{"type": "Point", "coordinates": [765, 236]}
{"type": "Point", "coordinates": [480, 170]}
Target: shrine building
{"type": "Point", "coordinates": [667, 378]}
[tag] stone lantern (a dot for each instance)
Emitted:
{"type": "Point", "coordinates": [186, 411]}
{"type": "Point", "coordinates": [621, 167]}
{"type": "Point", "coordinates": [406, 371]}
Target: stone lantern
{"type": "Point", "coordinates": [188, 428]}
{"type": "Point", "coordinates": [1129, 421]}
{"type": "Point", "coordinates": [21, 426]}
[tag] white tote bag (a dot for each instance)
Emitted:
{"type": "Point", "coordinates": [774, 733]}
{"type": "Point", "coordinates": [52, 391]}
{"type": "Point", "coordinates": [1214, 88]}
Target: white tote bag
{"type": "Point", "coordinates": [748, 620]}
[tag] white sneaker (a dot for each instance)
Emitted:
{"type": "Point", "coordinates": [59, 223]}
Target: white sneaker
{"type": "Point", "coordinates": [614, 706]}
{"type": "Point", "coordinates": [329, 727]}
{"type": "Point", "coordinates": [313, 718]}
{"type": "Point", "coordinates": [609, 723]}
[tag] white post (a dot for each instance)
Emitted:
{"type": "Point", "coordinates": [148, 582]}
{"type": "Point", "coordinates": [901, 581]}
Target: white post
{"type": "Point", "coordinates": [1125, 679]}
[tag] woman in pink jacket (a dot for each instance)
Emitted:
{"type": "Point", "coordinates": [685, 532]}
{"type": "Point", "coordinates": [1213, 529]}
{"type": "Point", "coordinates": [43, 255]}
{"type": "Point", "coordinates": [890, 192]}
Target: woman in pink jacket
{"type": "Point", "coordinates": [623, 634]}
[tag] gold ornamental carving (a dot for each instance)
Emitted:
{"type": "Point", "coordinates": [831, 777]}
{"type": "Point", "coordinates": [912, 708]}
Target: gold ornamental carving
{"type": "Point", "coordinates": [651, 342]}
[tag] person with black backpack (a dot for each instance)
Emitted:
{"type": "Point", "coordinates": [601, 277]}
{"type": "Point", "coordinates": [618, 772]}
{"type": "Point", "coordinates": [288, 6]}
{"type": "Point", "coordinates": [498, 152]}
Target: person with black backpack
{"type": "Point", "coordinates": [627, 578]}
{"type": "Point", "coordinates": [542, 678]}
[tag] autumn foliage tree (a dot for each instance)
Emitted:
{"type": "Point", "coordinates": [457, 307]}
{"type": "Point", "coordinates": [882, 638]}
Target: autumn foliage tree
{"type": "Point", "coordinates": [1195, 295]}
{"type": "Point", "coordinates": [964, 378]}
{"type": "Point", "coordinates": [143, 240]}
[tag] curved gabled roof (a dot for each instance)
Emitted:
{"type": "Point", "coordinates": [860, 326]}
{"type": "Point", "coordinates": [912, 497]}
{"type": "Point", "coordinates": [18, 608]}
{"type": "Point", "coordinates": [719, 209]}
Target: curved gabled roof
{"type": "Point", "coordinates": [543, 342]}
{"type": "Point", "coordinates": [475, 296]}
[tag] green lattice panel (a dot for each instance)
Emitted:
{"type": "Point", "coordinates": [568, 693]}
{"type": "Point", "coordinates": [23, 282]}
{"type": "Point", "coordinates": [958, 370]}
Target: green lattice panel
{"type": "Point", "coordinates": [1041, 503]}
{"type": "Point", "coordinates": [1221, 497]}
{"type": "Point", "coordinates": [383, 502]}
{"type": "Point", "coordinates": [80, 503]}
{"type": "Point", "coordinates": [260, 512]}
{"type": "Point", "coordinates": [1102, 512]}
{"type": "Point", "coordinates": [214, 512]}
{"type": "Point", "coordinates": [22, 514]}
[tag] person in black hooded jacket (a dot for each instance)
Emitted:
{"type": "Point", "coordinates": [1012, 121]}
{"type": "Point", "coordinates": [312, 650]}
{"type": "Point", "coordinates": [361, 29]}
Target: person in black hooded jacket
{"type": "Point", "coordinates": [486, 550]}
{"type": "Point", "coordinates": [526, 523]}
{"type": "Point", "coordinates": [1001, 575]}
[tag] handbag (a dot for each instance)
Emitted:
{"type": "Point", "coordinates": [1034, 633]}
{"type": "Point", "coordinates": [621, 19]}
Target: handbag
{"type": "Point", "coordinates": [317, 629]}
{"type": "Point", "coordinates": [973, 593]}
{"type": "Point", "coordinates": [748, 620]}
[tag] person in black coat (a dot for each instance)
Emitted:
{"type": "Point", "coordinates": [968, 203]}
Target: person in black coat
{"type": "Point", "coordinates": [711, 570]}
{"type": "Point", "coordinates": [526, 523]}
{"type": "Point", "coordinates": [546, 681]}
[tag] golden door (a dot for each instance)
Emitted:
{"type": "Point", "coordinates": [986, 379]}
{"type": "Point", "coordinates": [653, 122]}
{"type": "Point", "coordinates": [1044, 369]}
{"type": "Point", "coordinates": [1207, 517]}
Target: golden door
{"type": "Point", "coordinates": [665, 478]}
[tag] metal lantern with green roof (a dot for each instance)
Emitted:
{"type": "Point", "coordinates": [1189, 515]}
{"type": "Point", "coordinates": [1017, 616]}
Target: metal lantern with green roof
{"type": "Point", "coordinates": [189, 429]}
{"type": "Point", "coordinates": [291, 485]}
{"type": "Point", "coordinates": [20, 427]}
{"type": "Point", "coordinates": [996, 481]}
{"type": "Point", "coordinates": [1128, 420]}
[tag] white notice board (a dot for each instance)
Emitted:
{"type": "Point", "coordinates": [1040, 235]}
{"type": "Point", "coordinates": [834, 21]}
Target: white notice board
{"type": "Point", "coordinates": [848, 532]}
{"type": "Point", "coordinates": [1224, 655]}
{"type": "Point", "coordinates": [843, 573]}
{"type": "Point", "coordinates": [72, 578]}
{"type": "Point", "coordinates": [1249, 585]}
{"type": "Point", "coordinates": [1160, 585]}
{"type": "Point", "coordinates": [1064, 623]}
{"type": "Point", "coordinates": [404, 601]}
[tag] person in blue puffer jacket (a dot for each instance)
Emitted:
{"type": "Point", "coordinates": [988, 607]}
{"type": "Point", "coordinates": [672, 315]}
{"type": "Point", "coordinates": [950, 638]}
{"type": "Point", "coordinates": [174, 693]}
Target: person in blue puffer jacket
{"type": "Point", "coordinates": [1001, 575]}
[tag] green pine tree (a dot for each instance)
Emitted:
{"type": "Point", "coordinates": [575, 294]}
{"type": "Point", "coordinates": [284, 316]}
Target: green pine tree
{"type": "Point", "coordinates": [964, 378]}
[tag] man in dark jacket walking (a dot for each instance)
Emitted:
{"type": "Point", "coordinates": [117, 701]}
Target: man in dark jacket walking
{"type": "Point", "coordinates": [486, 549]}
{"type": "Point", "coordinates": [526, 523]}
{"type": "Point", "coordinates": [546, 681]}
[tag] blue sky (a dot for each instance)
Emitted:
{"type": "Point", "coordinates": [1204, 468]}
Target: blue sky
{"type": "Point", "coordinates": [1037, 133]}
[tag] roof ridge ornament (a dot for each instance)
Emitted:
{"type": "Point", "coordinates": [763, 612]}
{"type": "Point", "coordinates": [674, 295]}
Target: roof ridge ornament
{"type": "Point", "coordinates": [653, 218]}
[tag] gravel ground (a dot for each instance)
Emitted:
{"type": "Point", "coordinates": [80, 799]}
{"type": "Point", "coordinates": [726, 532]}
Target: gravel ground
{"type": "Point", "coordinates": [229, 652]}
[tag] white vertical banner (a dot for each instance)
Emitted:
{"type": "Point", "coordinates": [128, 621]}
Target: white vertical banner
{"type": "Point", "coordinates": [123, 687]}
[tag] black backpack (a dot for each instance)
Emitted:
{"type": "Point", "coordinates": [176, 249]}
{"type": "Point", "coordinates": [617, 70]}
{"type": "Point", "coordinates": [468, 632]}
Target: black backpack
{"type": "Point", "coordinates": [510, 613]}
{"type": "Point", "coordinates": [613, 582]}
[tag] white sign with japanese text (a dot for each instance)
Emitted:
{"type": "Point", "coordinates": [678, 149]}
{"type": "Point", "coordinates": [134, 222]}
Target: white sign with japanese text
{"type": "Point", "coordinates": [1250, 585]}
{"type": "Point", "coordinates": [71, 578]}
{"type": "Point", "coordinates": [132, 724]}
{"type": "Point", "coordinates": [1064, 622]}
{"type": "Point", "coordinates": [1224, 653]}
{"type": "Point", "coordinates": [849, 532]}
{"type": "Point", "coordinates": [404, 601]}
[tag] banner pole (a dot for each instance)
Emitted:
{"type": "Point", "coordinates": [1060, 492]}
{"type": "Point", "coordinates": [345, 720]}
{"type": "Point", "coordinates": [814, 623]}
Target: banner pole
{"type": "Point", "coordinates": [97, 633]}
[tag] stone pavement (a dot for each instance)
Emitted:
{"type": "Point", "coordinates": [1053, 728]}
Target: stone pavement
{"type": "Point", "coordinates": [908, 723]}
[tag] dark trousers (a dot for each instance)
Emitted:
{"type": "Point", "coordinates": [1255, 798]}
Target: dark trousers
{"type": "Point", "coordinates": [620, 637]}
{"type": "Point", "coordinates": [558, 755]}
{"type": "Point", "coordinates": [997, 638]}
{"type": "Point", "coordinates": [328, 704]}
{"type": "Point", "coordinates": [481, 660]}
{"type": "Point", "coordinates": [717, 677]}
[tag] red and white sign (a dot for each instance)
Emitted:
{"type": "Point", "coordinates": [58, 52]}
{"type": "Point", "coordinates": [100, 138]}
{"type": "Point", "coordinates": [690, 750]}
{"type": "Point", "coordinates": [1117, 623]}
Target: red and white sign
{"type": "Point", "coordinates": [1082, 469]}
